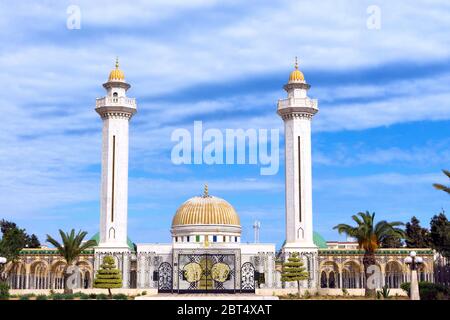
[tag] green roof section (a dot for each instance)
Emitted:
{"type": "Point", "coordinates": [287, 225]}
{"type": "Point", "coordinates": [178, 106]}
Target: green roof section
{"type": "Point", "coordinates": [130, 243]}
{"type": "Point", "coordinates": [319, 241]}
{"type": "Point", "coordinates": [48, 251]}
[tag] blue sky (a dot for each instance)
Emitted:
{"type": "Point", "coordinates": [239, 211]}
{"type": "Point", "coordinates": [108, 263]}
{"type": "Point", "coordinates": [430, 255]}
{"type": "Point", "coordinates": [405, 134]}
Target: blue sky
{"type": "Point", "coordinates": [380, 139]}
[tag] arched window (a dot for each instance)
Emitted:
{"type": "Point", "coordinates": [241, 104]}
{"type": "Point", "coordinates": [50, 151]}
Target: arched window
{"type": "Point", "coordinates": [300, 233]}
{"type": "Point", "coordinates": [112, 233]}
{"type": "Point", "coordinates": [331, 280]}
{"type": "Point", "coordinates": [323, 280]}
{"type": "Point", "coordinates": [393, 274]}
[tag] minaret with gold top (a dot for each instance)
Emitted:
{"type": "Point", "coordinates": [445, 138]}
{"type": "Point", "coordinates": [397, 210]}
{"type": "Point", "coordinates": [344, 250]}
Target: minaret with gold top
{"type": "Point", "coordinates": [116, 110]}
{"type": "Point", "coordinates": [297, 111]}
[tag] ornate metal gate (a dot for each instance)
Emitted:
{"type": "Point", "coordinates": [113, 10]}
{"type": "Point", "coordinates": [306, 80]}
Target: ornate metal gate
{"type": "Point", "coordinates": [206, 273]}
{"type": "Point", "coordinates": [248, 277]}
{"type": "Point", "coordinates": [165, 277]}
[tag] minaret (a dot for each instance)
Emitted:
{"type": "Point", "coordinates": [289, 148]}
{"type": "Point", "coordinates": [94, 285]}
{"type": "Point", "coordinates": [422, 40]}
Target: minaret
{"type": "Point", "coordinates": [297, 111]}
{"type": "Point", "coordinates": [116, 110]}
{"type": "Point", "coordinates": [256, 228]}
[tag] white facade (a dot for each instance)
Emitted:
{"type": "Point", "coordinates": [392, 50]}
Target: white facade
{"type": "Point", "coordinates": [115, 110]}
{"type": "Point", "coordinates": [297, 111]}
{"type": "Point", "coordinates": [207, 229]}
{"type": "Point", "coordinates": [204, 227]}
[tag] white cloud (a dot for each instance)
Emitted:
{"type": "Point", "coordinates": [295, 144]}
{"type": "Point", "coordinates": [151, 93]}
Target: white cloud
{"type": "Point", "coordinates": [50, 134]}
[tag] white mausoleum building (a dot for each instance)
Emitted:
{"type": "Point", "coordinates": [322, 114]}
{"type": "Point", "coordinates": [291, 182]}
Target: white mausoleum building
{"type": "Point", "coordinates": [206, 253]}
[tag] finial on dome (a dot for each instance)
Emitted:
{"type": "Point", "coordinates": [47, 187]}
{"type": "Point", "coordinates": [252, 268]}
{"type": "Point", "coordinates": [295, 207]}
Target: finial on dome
{"type": "Point", "coordinates": [296, 75]}
{"type": "Point", "coordinates": [116, 74]}
{"type": "Point", "coordinates": [205, 191]}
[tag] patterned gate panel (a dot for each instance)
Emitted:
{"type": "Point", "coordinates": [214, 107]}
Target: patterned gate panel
{"type": "Point", "coordinates": [165, 281]}
{"type": "Point", "coordinates": [206, 273]}
{"type": "Point", "coordinates": [248, 277]}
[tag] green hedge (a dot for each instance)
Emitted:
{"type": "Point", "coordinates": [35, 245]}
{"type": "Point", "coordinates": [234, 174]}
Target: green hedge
{"type": "Point", "coordinates": [120, 296]}
{"type": "Point", "coordinates": [102, 296]}
{"type": "Point", "coordinates": [4, 291]}
{"type": "Point", "coordinates": [429, 290]}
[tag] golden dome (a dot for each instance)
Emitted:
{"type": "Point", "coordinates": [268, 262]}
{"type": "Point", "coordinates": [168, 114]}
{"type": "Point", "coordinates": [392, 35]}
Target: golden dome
{"type": "Point", "coordinates": [296, 75]}
{"type": "Point", "coordinates": [206, 210]}
{"type": "Point", "coordinates": [116, 74]}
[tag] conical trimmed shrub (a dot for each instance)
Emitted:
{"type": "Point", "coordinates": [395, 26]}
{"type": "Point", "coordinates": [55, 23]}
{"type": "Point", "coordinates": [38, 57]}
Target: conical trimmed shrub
{"type": "Point", "coordinates": [108, 276]}
{"type": "Point", "coordinates": [293, 270]}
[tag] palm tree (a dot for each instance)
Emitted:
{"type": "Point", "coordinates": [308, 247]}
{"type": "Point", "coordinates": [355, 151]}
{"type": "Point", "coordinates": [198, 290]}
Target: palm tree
{"type": "Point", "coordinates": [441, 186]}
{"type": "Point", "coordinates": [71, 247]}
{"type": "Point", "coordinates": [370, 236]}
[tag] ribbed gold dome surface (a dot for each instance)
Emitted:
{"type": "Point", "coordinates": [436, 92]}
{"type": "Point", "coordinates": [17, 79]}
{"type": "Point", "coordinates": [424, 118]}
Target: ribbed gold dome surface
{"type": "Point", "coordinates": [116, 74]}
{"type": "Point", "coordinates": [205, 210]}
{"type": "Point", "coordinates": [296, 75]}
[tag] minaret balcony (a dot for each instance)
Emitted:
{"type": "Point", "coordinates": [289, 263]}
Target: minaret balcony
{"type": "Point", "coordinates": [115, 102]}
{"type": "Point", "coordinates": [297, 105]}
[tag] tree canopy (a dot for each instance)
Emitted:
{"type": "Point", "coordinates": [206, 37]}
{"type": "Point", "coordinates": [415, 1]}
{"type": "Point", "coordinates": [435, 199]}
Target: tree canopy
{"type": "Point", "coordinates": [440, 234]}
{"type": "Point", "coordinates": [15, 239]}
{"type": "Point", "coordinates": [369, 235]}
{"type": "Point", "coordinates": [416, 236]}
{"type": "Point", "coordinates": [72, 244]}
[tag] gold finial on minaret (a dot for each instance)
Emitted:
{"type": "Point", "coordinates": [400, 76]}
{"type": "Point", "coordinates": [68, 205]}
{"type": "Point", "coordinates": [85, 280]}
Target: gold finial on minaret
{"type": "Point", "coordinates": [116, 74]}
{"type": "Point", "coordinates": [296, 75]}
{"type": "Point", "coordinates": [205, 191]}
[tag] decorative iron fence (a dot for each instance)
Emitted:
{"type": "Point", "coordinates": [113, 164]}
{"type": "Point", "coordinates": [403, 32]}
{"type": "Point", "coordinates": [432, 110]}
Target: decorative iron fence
{"type": "Point", "coordinates": [442, 275]}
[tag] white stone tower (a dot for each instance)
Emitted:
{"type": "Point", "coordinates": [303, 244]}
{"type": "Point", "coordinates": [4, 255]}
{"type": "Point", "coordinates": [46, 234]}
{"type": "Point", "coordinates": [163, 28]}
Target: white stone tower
{"type": "Point", "coordinates": [297, 111]}
{"type": "Point", "coordinates": [116, 110]}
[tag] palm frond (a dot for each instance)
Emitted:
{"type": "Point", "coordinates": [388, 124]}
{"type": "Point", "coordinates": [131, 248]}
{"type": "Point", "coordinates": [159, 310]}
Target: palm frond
{"type": "Point", "coordinates": [71, 244]}
{"type": "Point", "coordinates": [439, 186]}
{"type": "Point", "coordinates": [447, 173]}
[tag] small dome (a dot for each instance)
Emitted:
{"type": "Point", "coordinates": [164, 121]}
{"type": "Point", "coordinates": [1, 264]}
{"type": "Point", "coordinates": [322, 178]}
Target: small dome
{"type": "Point", "coordinates": [116, 74]}
{"type": "Point", "coordinates": [319, 241]}
{"type": "Point", "coordinates": [296, 75]}
{"type": "Point", "coordinates": [206, 210]}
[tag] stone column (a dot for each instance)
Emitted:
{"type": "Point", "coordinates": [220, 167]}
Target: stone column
{"type": "Point", "coordinates": [126, 270]}
{"type": "Point", "coordinates": [142, 268]}
{"type": "Point", "coordinates": [414, 286]}
{"type": "Point", "coordinates": [270, 270]}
